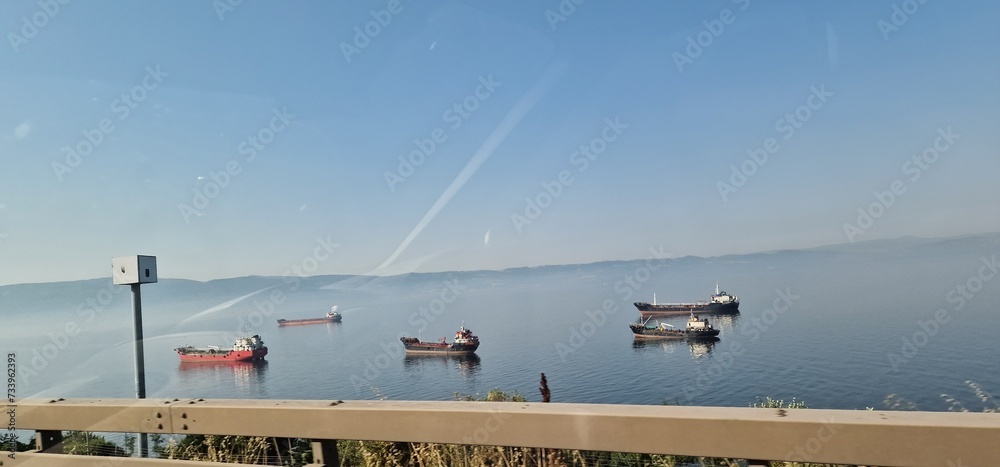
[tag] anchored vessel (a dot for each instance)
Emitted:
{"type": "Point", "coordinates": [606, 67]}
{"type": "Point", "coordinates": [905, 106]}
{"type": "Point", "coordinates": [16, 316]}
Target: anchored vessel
{"type": "Point", "coordinates": [696, 329]}
{"type": "Point", "coordinates": [721, 302]}
{"type": "Point", "coordinates": [465, 344]}
{"type": "Point", "coordinates": [245, 349]}
{"type": "Point", "coordinates": [331, 317]}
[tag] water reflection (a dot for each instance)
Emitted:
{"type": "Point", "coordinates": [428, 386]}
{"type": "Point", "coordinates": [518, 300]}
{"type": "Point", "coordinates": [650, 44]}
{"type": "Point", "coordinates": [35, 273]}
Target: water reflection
{"type": "Point", "coordinates": [467, 365]}
{"type": "Point", "coordinates": [246, 377]}
{"type": "Point", "coordinates": [702, 347]}
{"type": "Point", "coordinates": [725, 323]}
{"type": "Point", "coordinates": [699, 348]}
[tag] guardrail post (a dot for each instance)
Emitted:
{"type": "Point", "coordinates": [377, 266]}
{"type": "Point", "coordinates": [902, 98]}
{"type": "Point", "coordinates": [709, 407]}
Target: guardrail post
{"type": "Point", "coordinates": [325, 452]}
{"type": "Point", "coordinates": [49, 441]}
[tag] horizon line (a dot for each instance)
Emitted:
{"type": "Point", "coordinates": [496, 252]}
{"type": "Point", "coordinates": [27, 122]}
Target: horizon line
{"type": "Point", "coordinates": [847, 244]}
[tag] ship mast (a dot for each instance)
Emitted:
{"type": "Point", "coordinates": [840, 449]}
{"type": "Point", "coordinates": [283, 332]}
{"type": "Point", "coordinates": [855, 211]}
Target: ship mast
{"type": "Point", "coordinates": [717, 287]}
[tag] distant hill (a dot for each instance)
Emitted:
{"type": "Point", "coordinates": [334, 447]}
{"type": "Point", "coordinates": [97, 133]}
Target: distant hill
{"type": "Point", "coordinates": [71, 294]}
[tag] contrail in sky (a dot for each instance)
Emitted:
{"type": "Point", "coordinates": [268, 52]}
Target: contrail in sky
{"type": "Point", "coordinates": [509, 122]}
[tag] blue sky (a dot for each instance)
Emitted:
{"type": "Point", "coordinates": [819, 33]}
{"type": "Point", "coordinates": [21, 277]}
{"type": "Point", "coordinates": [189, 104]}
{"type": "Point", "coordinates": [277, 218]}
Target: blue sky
{"type": "Point", "coordinates": [217, 77]}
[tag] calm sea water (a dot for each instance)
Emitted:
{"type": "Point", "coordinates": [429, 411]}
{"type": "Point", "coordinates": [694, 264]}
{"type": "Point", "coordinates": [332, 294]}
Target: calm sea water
{"type": "Point", "coordinates": [831, 348]}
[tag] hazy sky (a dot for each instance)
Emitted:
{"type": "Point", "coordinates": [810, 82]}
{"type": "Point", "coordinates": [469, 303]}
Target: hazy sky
{"type": "Point", "coordinates": [291, 120]}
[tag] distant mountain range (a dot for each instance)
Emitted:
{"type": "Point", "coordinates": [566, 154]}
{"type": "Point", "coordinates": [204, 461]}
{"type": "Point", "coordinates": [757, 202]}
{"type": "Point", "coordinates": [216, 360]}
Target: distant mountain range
{"type": "Point", "coordinates": [70, 294]}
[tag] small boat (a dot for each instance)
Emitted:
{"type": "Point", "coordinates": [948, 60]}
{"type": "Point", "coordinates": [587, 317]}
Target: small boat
{"type": "Point", "coordinates": [720, 302]}
{"type": "Point", "coordinates": [465, 344]}
{"type": "Point", "coordinates": [331, 317]}
{"type": "Point", "coordinates": [245, 349]}
{"type": "Point", "coordinates": [696, 329]}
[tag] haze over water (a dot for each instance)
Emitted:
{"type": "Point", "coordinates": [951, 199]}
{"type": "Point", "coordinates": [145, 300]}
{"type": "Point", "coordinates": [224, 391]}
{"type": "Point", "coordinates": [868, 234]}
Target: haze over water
{"type": "Point", "coordinates": [842, 343]}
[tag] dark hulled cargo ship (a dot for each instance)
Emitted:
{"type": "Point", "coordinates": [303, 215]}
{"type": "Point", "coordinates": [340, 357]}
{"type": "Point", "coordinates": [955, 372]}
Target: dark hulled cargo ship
{"type": "Point", "coordinates": [331, 317]}
{"type": "Point", "coordinates": [696, 329]}
{"type": "Point", "coordinates": [720, 303]}
{"type": "Point", "coordinates": [465, 344]}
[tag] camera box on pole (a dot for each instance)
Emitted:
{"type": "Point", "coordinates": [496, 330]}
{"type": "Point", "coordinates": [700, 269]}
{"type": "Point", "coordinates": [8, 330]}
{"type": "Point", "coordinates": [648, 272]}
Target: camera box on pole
{"type": "Point", "coordinates": [139, 269]}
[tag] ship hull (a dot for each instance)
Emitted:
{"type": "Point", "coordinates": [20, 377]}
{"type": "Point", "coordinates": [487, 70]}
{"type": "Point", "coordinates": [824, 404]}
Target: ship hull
{"type": "Point", "coordinates": [300, 322]}
{"type": "Point", "coordinates": [200, 355]}
{"type": "Point", "coordinates": [659, 337]}
{"type": "Point", "coordinates": [640, 332]}
{"type": "Point", "coordinates": [679, 335]}
{"type": "Point", "coordinates": [680, 309]}
{"type": "Point", "coordinates": [433, 348]}
{"type": "Point", "coordinates": [465, 344]}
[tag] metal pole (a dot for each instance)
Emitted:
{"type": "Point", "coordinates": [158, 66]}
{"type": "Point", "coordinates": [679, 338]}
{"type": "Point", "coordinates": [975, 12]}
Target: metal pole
{"type": "Point", "coordinates": [140, 371]}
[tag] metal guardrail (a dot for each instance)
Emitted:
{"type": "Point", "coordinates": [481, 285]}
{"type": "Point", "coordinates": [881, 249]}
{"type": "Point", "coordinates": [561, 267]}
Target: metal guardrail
{"type": "Point", "coordinates": [822, 436]}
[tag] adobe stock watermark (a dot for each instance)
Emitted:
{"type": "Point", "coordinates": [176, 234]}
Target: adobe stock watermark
{"type": "Point", "coordinates": [579, 334]}
{"type": "Point", "coordinates": [457, 114]}
{"type": "Point", "coordinates": [628, 285]}
{"type": "Point", "coordinates": [899, 16]}
{"type": "Point", "coordinates": [596, 319]}
{"type": "Point", "coordinates": [254, 143]}
{"type": "Point", "coordinates": [493, 423]}
{"type": "Point", "coordinates": [121, 107]}
{"type": "Point", "coordinates": [86, 311]}
{"type": "Point", "coordinates": [805, 451]}
{"type": "Point", "coordinates": [713, 29]}
{"type": "Point", "coordinates": [426, 315]}
{"type": "Point", "coordinates": [958, 296]}
{"type": "Point", "coordinates": [563, 11]}
{"type": "Point", "coordinates": [30, 27]}
{"type": "Point", "coordinates": [751, 330]}
{"type": "Point", "coordinates": [754, 327]}
{"type": "Point", "coordinates": [363, 36]}
{"type": "Point", "coordinates": [224, 7]}
{"type": "Point", "coordinates": [291, 280]}
{"type": "Point", "coordinates": [786, 126]}
{"type": "Point", "coordinates": [581, 159]}
{"type": "Point", "coordinates": [393, 350]}
{"type": "Point", "coordinates": [915, 168]}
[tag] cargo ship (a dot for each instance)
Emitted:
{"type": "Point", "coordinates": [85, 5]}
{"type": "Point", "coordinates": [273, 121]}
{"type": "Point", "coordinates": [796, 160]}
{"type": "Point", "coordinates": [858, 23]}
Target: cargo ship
{"type": "Point", "coordinates": [465, 344]}
{"type": "Point", "coordinates": [331, 317]}
{"type": "Point", "coordinates": [696, 329]}
{"type": "Point", "coordinates": [245, 349]}
{"type": "Point", "coordinates": [721, 302]}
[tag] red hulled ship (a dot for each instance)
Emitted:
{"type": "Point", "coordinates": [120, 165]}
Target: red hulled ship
{"type": "Point", "coordinates": [245, 349]}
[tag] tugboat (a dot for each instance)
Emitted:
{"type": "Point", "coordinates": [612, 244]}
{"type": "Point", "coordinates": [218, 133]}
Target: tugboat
{"type": "Point", "coordinates": [720, 302]}
{"type": "Point", "coordinates": [245, 349]}
{"type": "Point", "coordinates": [331, 317]}
{"type": "Point", "coordinates": [465, 344]}
{"type": "Point", "coordinates": [697, 329]}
